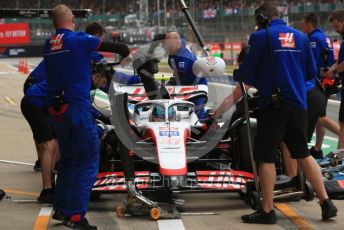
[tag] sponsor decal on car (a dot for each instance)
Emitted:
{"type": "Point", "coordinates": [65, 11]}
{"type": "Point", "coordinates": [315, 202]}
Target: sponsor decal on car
{"type": "Point", "coordinates": [169, 133]}
{"type": "Point", "coordinates": [115, 181]}
{"type": "Point", "coordinates": [170, 141]}
{"type": "Point", "coordinates": [166, 128]}
{"type": "Point", "coordinates": [138, 94]}
{"type": "Point", "coordinates": [223, 179]}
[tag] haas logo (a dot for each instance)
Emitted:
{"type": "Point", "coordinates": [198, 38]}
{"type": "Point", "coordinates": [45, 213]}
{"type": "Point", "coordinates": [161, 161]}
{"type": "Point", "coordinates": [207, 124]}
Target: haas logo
{"type": "Point", "coordinates": [211, 60]}
{"type": "Point", "coordinates": [287, 40]}
{"type": "Point", "coordinates": [56, 42]}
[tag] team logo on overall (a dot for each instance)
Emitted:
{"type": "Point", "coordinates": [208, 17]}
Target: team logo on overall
{"type": "Point", "coordinates": [181, 64]}
{"type": "Point", "coordinates": [56, 42]}
{"type": "Point", "coordinates": [313, 45]}
{"type": "Point", "coordinates": [287, 40]}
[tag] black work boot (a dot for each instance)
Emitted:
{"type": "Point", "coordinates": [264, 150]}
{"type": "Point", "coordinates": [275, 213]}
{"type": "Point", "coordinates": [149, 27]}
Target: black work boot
{"type": "Point", "coordinates": [58, 216]}
{"type": "Point", "coordinates": [328, 209]}
{"type": "Point", "coordinates": [317, 154]}
{"type": "Point", "coordinates": [37, 166]}
{"type": "Point", "coordinates": [77, 222]}
{"type": "Point", "coordinates": [260, 217]}
{"type": "Point", "coordinates": [47, 196]}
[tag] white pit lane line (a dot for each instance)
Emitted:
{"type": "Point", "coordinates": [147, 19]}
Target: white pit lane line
{"type": "Point", "coordinates": [16, 162]}
{"type": "Point", "coordinates": [45, 211]}
{"type": "Point", "coordinates": [171, 224]}
{"type": "Point", "coordinates": [12, 67]}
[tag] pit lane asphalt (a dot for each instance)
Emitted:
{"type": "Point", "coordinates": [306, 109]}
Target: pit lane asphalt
{"type": "Point", "coordinates": [21, 211]}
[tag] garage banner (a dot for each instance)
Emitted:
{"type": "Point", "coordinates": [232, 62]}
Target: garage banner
{"type": "Point", "coordinates": [14, 33]}
{"type": "Point", "coordinates": [21, 51]}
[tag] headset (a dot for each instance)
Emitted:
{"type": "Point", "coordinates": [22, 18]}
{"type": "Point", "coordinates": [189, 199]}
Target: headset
{"type": "Point", "coordinates": [261, 19]}
{"type": "Point", "coordinates": [105, 69]}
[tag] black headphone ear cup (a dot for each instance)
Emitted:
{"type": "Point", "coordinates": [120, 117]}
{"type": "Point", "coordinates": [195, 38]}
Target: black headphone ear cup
{"type": "Point", "coordinates": [261, 19]}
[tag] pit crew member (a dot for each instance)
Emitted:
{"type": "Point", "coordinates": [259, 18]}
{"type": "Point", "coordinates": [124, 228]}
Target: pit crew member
{"type": "Point", "coordinates": [337, 20]}
{"type": "Point", "coordinates": [324, 58]}
{"type": "Point", "coordinates": [33, 108]}
{"type": "Point", "coordinates": [280, 73]}
{"type": "Point", "coordinates": [181, 60]}
{"type": "Point", "coordinates": [67, 56]}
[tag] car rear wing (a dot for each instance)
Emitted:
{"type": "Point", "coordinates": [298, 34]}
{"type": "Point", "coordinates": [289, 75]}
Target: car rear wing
{"type": "Point", "coordinates": [136, 93]}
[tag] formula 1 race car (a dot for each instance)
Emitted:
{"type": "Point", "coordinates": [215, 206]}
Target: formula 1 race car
{"type": "Point", "coordinates": [159, 148]}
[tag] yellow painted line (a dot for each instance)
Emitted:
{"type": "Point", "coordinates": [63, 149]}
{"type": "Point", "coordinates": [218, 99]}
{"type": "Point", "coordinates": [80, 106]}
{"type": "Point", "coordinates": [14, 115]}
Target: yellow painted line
{"type": "Point", "coordinates": [9, 100]}
{"type": "Point", "coordinates": [296, 219]}
{"type": "Point", "coordinates": [21, 192]}
{"type": "Point", "coordinates": [41, 223]}
{"type": "Point", "coordinates": [42, 220]}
